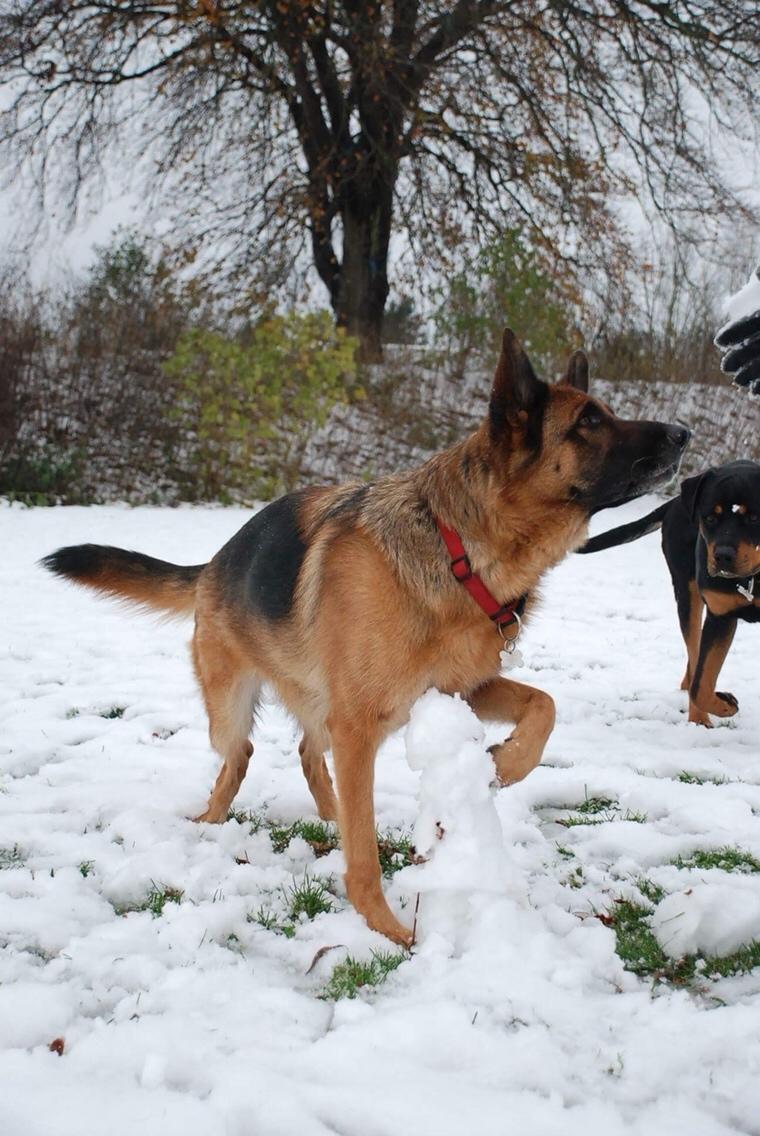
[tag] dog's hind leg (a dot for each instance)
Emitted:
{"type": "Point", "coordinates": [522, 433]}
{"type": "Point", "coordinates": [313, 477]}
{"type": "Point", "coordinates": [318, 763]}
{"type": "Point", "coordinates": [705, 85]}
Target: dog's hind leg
{"type": "Point", "coordinates": [354, 744]}
{"type": "Point", "coordinates": [230, 693]}
{"type": "Point", "coordinates": [318, 778]}
{"type": "Point", "coordinates": [503, 700]}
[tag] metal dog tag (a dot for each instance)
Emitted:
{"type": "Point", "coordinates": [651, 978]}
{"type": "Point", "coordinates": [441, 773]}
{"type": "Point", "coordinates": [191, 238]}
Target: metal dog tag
{"type": "Point", "coordinates": [510, 659]}
{"type": "Point", "coordinates": [749, 592]}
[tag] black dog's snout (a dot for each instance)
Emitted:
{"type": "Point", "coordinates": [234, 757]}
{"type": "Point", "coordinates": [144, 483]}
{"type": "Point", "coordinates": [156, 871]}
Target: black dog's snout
{"type": "Point", "coordinates": [725, 557]}
{"type": "Point", "coordinates": [678, 435]}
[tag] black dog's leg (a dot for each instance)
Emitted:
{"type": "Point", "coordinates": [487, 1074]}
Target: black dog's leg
{"type": "Point", "coordinates": [679, 536]}
{"type": "Point", "coordinates": [690, 607]}
{"type": "Point", "coordinates": [704, 699]}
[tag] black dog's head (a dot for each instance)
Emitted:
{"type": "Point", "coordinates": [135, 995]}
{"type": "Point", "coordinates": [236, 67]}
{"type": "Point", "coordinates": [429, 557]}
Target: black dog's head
{"type": "Point", "coordinates": [726, 504]}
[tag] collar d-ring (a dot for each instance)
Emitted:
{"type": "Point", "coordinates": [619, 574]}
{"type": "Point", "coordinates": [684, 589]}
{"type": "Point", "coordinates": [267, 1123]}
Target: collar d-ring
{"type": "Point", "coordinates": [510, 641]}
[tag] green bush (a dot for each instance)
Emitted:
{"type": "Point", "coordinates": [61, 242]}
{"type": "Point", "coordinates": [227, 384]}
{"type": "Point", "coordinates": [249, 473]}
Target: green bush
{"type": "Point", "coordinates": [509, 282]}
{"type": "Point", "coordinates": [248, 403]}
{"type": "Point", "coordinates": [42, 479]}
{"type": "Point", "coordinates": [83, 401]}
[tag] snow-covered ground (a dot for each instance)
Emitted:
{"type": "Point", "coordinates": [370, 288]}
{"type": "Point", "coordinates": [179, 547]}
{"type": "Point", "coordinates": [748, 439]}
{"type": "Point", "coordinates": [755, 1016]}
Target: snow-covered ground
{"type": "Point", "coordinates": [515, 1015]}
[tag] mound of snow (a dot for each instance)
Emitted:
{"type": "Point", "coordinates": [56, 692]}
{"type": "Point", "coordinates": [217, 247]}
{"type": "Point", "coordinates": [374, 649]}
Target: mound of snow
{"type": "Point", "coordinates": [457, 831]}
{"type": "Point", "coordinates": [709, 919]}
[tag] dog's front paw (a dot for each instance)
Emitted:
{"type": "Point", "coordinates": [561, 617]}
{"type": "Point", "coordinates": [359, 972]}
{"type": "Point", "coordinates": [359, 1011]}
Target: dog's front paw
{"type": "Point", "coordinates": [513, 760]}
{"type": "Point", "coordinates": [720, 703]}
{"type": "Point", "coordinates": [699, 717]}
{"type": "Point", "coordinates": [210, 816]}
{"type": "Point", "coordinates": [728, 704]}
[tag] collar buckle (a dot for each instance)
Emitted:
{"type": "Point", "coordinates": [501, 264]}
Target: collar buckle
{"type": "Point", "coordinates": [461, 568]}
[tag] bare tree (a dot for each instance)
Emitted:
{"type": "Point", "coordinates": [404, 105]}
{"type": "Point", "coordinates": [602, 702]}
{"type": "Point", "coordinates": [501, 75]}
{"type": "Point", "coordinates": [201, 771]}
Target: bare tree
{"type": "Point", "coordinates": [341, 124]}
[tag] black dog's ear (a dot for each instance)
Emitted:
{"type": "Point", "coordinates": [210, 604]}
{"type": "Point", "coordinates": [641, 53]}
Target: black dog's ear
{"type": "Point", "coordinates": [515, 390]}
{"type": "Point", "coordinates": [691, 491]}
{"type": "Point", "coordinates": [576, 374]}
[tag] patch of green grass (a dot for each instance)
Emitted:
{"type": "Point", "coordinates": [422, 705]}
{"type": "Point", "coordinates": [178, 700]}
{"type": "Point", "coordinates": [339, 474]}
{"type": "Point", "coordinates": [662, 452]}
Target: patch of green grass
{"type": "Point", "coordinates": [565, 852]}
{"type": "Point", "coordinates": [352, 975]}
{"type": "Point", "coordinates": [640, 952]}
{"type": "Point", "coordinates": [113, 712]}
{"type": "Point", "coordinates": [255, 820]}
{"type": "Point", "coordinates": [321, 835]}
{"type": "Point", "coordinates": [575, 879]}
{"type": "Point", "coordinates": [232, 943]}
{"type": "Point", "coordinates": [269, 921]}
{"type": "Point", "coordinates": [158, 897]}
{"type": "Point", "coordinates": [577, 819]}
{"type": "Point", "coordinates": [593, 805]}
{"type": "Point", "coordinates": [650, 890]}
{"type": "Point", "coordinates": [11, 857]}
{"type": "Point", "coordinates": [155, 901]}
{"type": "Point", "coordinates": [727, 858]}
{"type": "Point", "coordinates": [396, 851]}
{"type": "Point", "coordinates": [86, 867]}
{"type": "Point", "coordinates": [309, 897]}
{"type": "Point", "coordinates": [638, 948]}
{"type": "Point", "coordinates": [740, 962]}
{"type": "Point", "coordinates": [281, 835]}
{"type": "Point", "coordinates": [394, 846]}
{"type": "Point", "coordinates": [599, 810]}
{"type": "Point", "coordinates": [688, 778]}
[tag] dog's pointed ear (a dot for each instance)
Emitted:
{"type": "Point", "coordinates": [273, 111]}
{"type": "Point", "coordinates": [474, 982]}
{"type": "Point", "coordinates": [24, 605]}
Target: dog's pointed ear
{"type": "Point", "coordinates": [691, 491]}
{"type": "Point", "coordinates": [576, 374]}
{"type": "Point", "coordinates": [515, 387]}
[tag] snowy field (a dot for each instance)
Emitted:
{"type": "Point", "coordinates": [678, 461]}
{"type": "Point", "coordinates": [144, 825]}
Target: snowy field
{"type": "Point", "coordinates": [200, 1011]}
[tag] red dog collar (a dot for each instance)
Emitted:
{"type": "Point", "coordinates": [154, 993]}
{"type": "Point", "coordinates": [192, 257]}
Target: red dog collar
{"type": "Point", "coordinates": [502, 614]}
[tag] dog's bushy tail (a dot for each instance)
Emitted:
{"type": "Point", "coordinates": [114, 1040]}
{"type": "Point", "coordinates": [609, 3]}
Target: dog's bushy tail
{"type": "Point", "coordinates": [626, 533]}
{"type": "Point", "coordinates": [129, 576]}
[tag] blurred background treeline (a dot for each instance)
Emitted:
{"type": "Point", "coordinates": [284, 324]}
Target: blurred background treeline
{"type": "Point", "coordinates": [353, 199]}
{"type": "Point", "coordinates": [135, 382]}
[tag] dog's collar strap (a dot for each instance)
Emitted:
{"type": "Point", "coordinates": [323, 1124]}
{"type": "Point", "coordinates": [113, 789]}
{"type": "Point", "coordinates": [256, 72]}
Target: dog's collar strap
{"type": "Point", "coordinates": [502, 614]}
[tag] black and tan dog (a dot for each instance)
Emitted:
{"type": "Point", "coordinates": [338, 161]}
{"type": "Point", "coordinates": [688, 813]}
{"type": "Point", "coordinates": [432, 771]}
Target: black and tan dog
{"type": "Point", "coordinates": [350, 600]}
{"type": "Point", "coordinates": [711, 541]}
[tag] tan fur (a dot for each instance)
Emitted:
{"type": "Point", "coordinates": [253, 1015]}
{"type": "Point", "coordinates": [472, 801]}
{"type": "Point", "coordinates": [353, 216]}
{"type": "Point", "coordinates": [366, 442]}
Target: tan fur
{"type": "Point", "coordinates": [169, 597]}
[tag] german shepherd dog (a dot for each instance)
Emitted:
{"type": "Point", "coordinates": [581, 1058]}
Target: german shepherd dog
{"type": "Point", "coordinates": [346, 600]}
{"type": "Point", "coordinates": [711, 542]}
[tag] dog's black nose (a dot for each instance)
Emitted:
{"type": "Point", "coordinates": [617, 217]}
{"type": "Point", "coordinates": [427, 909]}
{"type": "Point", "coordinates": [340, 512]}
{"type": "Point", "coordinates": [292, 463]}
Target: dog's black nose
{"type": "Point", "coordinates": [678, 435]}
{"type": "Point", "coordinates": [725, 556]}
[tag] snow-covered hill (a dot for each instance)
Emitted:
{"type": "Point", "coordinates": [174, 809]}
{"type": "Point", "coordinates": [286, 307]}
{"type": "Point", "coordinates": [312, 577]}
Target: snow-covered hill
{"type": "Point", "coordinates": [171, 963]}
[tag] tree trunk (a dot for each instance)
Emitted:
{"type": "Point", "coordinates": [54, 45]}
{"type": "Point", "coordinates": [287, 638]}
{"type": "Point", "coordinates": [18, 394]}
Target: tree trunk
{"type": "Point", "coordinates": [363, 287]}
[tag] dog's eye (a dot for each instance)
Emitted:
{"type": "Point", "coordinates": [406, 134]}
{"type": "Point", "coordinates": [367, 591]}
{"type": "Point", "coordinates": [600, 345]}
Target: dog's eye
{"type": "Point", "coordinates": [753, 518]}
{"type": "Point", "coordinates": [590, 418]}
{"type": "Point", "coordinates": [710, 520]}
